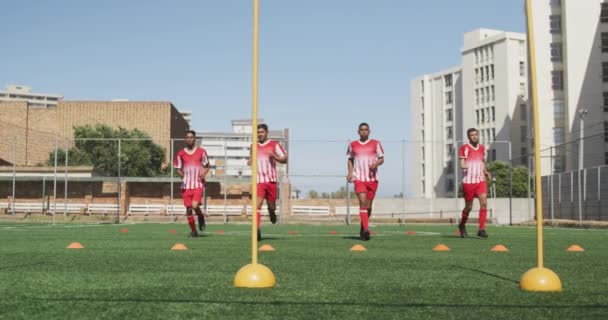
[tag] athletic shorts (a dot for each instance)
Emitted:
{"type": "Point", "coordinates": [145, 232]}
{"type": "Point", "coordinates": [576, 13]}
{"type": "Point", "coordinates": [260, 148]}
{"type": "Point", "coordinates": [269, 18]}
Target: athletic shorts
{"type": "Point", "coordinates": [268, 191]}
{"type": "Point", "coordinates": [369, 188]}
{"type": "Point", "coordinates": [473, 190]}
{"type": "Point", "coordinates": [191, 195]}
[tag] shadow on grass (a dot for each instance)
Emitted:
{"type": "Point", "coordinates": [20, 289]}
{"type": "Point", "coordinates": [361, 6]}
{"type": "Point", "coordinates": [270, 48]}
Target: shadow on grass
{"type": "Point", "coordinates": [486, 273]}
{"type": "Point", "coordinates": [319, 303]}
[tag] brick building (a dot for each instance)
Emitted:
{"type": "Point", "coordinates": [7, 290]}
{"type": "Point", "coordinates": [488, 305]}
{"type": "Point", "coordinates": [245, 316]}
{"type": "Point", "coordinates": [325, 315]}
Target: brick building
{"type": "Point", "coordinates": [34, 129]}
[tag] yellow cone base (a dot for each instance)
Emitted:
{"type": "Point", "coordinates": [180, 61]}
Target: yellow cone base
{"type": "Point", "coordinates": [500, 248]}
{"type": "Point", "coordinates": [255, 276]}
{"type": "Point", "coordinates": [75, 245]}
{"type": "Point", "coordinates": [357, 247]}
{"type": "Point", "coordinates": [540, 279]}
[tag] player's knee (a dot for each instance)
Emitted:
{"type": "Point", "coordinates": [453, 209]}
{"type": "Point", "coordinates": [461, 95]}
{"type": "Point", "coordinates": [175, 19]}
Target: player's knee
{"type": "Point", "coordinates": [189, 211]}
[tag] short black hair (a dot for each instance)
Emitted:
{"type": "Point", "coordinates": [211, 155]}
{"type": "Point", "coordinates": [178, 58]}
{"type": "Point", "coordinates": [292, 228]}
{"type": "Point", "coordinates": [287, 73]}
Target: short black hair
{"type": "Point", "coordinates": [363, 124]}
{"type": "Point", "coordinates": [263, 126]}
{"type": "Point", "coordinates": [471, 130]}
{"type": "Point", "coordinates": [191, 131]}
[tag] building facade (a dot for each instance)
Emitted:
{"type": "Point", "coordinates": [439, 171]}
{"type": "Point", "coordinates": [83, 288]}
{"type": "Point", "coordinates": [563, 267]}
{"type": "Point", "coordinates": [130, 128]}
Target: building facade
{"type": "Point", "coordinates": [24, 93]}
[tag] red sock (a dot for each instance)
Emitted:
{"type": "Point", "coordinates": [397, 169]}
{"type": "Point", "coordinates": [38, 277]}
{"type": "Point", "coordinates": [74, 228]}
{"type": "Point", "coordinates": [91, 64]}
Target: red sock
{"type": "Point", "coordinates": [464, 218]}
{"type": "Point", "coordinates": [483, 212]}
{"type": "Point", "coordinates": [259, 217]}
{"type": "Point", "coordinates": [191, 223]}
{"type": "Point", "coordinates": [364, 218]}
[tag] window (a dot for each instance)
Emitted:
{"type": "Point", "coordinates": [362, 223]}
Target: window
{"type": "Point", "coordinates": [476, 96]}
{"type": "Point", "coordinates": [492, 92]}
{"type": "Point", "coordinates": [423, 190]}
{"type": "Point", "coordinates": [422, 152]}
{"type": "Point", "coordinates": [487, 94]}
{"type": "Point", "coordinates": [481, 72]}
{"type": "Point", "coordinates": [449, 150]}
{"type": "Point", "coordinates": [493, 114]}
{"type": "Point", "coordinates": [605, 101]}
{"type": "Point", "coordinates": [522, 68]}
{"type": "Point", "coordinates": [448, 97]}
{"type": "Point", "coordinates": [422, 104]}
{"type": "Point", "coordinates": [448, 80]}
{"type": "Point", "coordinates": [422, 134]}
{"type": "Point", "coordinates": [488, 134]}
{"type": "Point", "coordinates": [488, 73]}
{"type": "Point", "coordinates": [477, 114]}
{"type": "Point", "coordinates": [476, 75]}
{"type": "Point", "coordinates": [422, 119]}
{"type": "Point", "coordinates": [605, 157]}
{"type": "Point", "coordinates": [522, 89]}
{"type": "Point", "coordinates": [476, 56]}
{"type": "Point", "coordinates": [483, 135]}
{"type": "Point", "coordinates": [483, 97]}
{"type": "Point", "coordinates": [558, 108]}
{"type": "Point", "coordinates": [604, 41]}
{"type": "Point", "coordinates": [493, 133]}
{"type": "Point", "coordinates": [523, 112]}
{"type": "Point", "coordinates": [558, 135]}
{"type": "Point", "coordinates": [555, 23]}
{"type": "Point", "coordinates": [448, 115]}
{"type": "Point", "coordinates": [492, 70]}
{"type": "Point", "coordinates": [423, 169]}
{"type": "Point", "coordinates": [422, 87]}
{"type": "Point", "coordinates": [604, 14]}
{"type": "Point", "coordinates": [523, 133]}
{"type": "Point", "coordinates": [605, 131]}
{"type": "Point", "coordinates": [556, 52]}
{"type": "Point", "coordinates": [449, 134]}
{"type": "Point", "coordinates": [483, 116]}
{"type": "Point", "coordinates": [557, 81]}
{"type": "Point", "coordinates": [605, 71]}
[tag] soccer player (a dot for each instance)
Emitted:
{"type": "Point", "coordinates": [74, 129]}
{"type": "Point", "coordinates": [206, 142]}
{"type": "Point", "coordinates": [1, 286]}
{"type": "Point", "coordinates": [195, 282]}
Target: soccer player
{"type": "Point", "coordinates": [364, 157]}
{"type": "Point", "coordinates": [472, 157]}
{"type": "Point", "coordinates": [192, 166]}
{"type": "Point", "coordinates": [269, 153]}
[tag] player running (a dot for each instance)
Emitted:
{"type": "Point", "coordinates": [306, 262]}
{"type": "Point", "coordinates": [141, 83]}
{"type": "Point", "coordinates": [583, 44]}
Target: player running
{"type": "Point", "coordinates": [472, 157]}
{"type": "Point", "coordinates": [364, 157]}
{"type": "Point", "coordinates": [192, 166]}
{"type": "Point", "coordinates": [269, 153]}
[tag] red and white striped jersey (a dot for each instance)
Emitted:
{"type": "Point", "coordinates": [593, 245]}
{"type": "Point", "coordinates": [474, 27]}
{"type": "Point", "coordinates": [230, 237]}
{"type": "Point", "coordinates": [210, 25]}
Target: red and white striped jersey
{"type": "Point", "coordinates": [267, 167]}
{"type": "Point", "coordinates": [363, 155]}
{"type": "Point", "coordinates": [474, 158]}
{"type": "Point", "coordinates": [192, 163]}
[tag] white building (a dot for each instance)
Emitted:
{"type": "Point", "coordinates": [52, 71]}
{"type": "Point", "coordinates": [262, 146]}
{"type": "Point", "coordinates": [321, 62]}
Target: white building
{"type": "Point", "coordinates": [187, 114]}
{"type": "Point", "coordinates": [487, 92]}
{"type": "Point", "coordinates": [229, 151]}
{"type": "Point", "coordinates": [571, 50]}
{"type": "Point", "coordinates": [24, 93]}
{"type": "Point", "coordinates": [437, 124]}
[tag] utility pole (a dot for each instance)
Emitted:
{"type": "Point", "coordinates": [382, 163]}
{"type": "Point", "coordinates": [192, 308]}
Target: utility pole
{"type": "Point", "coordinates": [582, 113]}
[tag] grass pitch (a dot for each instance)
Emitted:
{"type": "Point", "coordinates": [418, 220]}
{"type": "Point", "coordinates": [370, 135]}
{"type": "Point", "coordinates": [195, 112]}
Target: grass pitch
{"type": "Point", "coordinates": [135, 275]}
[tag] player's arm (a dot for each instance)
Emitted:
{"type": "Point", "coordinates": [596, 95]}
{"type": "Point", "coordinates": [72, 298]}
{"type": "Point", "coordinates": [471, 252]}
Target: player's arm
{"type": "Point", "coordinates": [376, 164]}
{"type": "Point", "coordinates": [206, 166]}
{"type": "Point", "coordinates": [462, 155]}
{"type": "Point", "coordinates": [177, 164]}
{"type": "Point", "coordinates": [463, 163]}
{"type": "Point", "coordinates": [349, 177]}
{"type": "Point", "coordinates": [279, 154]}
{"type": "Point", "coordinates": [487, 174]}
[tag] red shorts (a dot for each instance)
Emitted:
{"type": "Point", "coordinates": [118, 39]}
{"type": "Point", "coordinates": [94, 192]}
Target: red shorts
{"type": "Point", "coordinates": [268, 191]}
{"type": "Point", "coordinates": [369, 188]}
{"type": "Point", "coordinates": [190, 195]}
{"type": "Point", "coordinates": [472, 190]}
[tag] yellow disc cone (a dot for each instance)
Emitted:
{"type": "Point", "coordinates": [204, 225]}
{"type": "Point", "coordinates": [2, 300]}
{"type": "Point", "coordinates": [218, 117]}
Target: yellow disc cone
{"type": "Point", "coordinates": [179, 247]}
{"type": "Point", "coordinates": [266, 247]}
{"type": "Point", "coordinates": [358, 247]}
{"type": "Point", "coordinates": [499, 248]}
{"type": "Point", "coordinates": [441, 247]}
{"type": "Point", "coordinates": [75, 245]}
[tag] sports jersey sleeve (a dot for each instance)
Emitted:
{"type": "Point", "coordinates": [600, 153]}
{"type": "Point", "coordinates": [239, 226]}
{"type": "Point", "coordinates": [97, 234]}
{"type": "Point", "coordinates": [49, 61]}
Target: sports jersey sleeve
{"type": "Point", "coordinates": [349, 152]}
{"type": "Point", "coordinates": [177, 162]}
{"type": "Point", "coordinates": [279, 151]}
{"type": "Point", "coordinates": [463, 152]}
{"type": "Point", "coordinates": [379, 150]}
{"type": "Point", "coordinates": [205, 159]}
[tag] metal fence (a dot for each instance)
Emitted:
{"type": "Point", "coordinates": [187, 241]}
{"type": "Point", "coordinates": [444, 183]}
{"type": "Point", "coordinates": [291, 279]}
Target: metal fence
{"type": "Point", "coordinates": [61, 180]}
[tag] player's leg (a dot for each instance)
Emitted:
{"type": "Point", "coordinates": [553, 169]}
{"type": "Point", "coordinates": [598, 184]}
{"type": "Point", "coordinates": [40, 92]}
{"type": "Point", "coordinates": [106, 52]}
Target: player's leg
{"type": "Point", "coordinates": [260, 201]}
{"type": "Point", "coordinates": [196, 205]}
{"type": "Point", "coordinates": [483, 210]}
{"type": "Point", "coordinates": [371, 187]}
{"type": "Point", "coordinates": [468, 200]}
{"type": "Point", "coordinates": [187, 196]}
{"type": "Point", "coordinates": [271, 201]}
{"type": "Point", "coordinates": [361, 191]}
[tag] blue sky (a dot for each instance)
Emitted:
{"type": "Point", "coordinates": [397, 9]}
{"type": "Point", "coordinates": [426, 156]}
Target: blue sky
{"type": "Point", "coordinates": [325, 65]}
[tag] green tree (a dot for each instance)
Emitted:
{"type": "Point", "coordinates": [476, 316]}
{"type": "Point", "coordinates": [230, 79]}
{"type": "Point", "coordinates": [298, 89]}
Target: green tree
{"type": "Point", "coordinates": [325, 195]}
{"type": "Point", "coordinates": [140, 158]}
{"type": "Point", "coordinates": [312, 194]}
{"type": "Point", "coordinates": [341, 194]}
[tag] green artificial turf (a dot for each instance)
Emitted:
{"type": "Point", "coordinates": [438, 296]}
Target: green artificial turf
{"type": "Point", "coordinates": [135, 275]}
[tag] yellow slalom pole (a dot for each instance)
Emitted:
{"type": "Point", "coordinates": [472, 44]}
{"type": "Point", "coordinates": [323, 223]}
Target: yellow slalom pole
{"type": "Point", "coordinates": [539, 278]}
{"type": "Point", "coordinates": [254, 275]}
